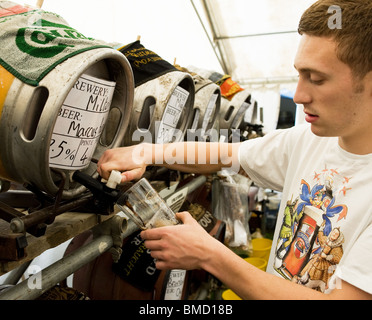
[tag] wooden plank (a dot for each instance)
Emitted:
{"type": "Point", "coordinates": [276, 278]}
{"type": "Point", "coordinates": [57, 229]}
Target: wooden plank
{"type": "Point", "coordinates": [65, 227]}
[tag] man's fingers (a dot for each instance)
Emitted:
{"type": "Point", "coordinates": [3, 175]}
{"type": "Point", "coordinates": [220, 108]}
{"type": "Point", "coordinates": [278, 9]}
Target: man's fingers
{"type": "Point", "coordinates": [134, 174]}
{"type": "Point", "coordinates": [153, 245]}
{"type": "Point", "coordinates": [105, 169]}
{"type": "Point", "coordinates": [185, 217]}
{"type": "Point", "coordinates": [151, 234]}
{"type": "Point", "coordinates": [160, 265]}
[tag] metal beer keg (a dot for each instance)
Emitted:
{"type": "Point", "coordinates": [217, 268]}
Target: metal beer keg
{"type": "Point", "coordinates": [162, 109]}
{"type": "Point", "coordinates": [233, 112]}
{"type": "Point", "coordinates": [206, 110]}
{"type": "Point", "coordinates": [34, 120]}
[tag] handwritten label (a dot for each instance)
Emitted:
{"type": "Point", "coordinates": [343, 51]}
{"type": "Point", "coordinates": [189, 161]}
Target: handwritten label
{"type": "Point", "coordinates": [172, 114]}
{"type": "Point", "coordinates": [209, 111]}
{"type": "Point", "coordinates": [175, 283]}
{"type": "Point", "coordinates": [80, 122]}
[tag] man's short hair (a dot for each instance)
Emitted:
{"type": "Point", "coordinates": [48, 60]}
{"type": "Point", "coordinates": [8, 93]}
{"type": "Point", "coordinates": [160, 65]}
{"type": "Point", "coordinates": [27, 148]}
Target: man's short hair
{"type": "Point", "coordinates": [353, 36]}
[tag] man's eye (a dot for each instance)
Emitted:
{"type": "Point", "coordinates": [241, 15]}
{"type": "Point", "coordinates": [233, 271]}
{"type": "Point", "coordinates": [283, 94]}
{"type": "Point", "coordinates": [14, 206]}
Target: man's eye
{"type": "Point", "coordinates": [316, 81]}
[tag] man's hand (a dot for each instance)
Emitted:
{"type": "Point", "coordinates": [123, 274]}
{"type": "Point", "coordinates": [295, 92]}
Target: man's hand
{"type": "Point", "coordinates": [128, 160]}
{"type": "Point", "coordinates": [183, 246]}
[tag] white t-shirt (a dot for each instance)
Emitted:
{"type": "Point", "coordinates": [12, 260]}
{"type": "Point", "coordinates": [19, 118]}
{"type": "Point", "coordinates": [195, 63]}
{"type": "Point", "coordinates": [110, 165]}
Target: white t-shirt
{"type": "Point", "coordinates": [324, 230]}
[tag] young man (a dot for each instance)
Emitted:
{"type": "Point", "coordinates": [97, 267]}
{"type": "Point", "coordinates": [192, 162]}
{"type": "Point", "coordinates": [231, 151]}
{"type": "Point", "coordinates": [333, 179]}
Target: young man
{"type": "Point", "coordinates": [321, 247]}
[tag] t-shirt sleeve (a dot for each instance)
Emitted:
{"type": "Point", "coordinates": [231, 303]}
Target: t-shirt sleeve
{"type": "Point", "coordinates": [356, 267]}
{"type": "Point", "coordinates": [266, 159]}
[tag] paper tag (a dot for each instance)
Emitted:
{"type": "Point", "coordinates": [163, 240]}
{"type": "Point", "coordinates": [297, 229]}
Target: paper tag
{"type": "Point", "coordinates": [209, 111]}
{"type": "Point", "coordinates": [176, 200]}
{"type": "Point", "coordinates": [175, 284]}
{"type": "Point", "coordinates": [80, 122]}
{"type": "Point", "coordinates": [172, 114]}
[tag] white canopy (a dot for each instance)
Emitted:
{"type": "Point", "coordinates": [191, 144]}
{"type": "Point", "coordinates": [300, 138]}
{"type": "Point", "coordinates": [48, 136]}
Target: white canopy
{"type": "Point", "coordinates": [253, 41]}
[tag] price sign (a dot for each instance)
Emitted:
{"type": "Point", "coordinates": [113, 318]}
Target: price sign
{"type": "Point", "coordinates": [209, 111]}
{"type": "Point", "coordinates": [175, 284]}
{"type": "Point", "coordinates": [80, 122]}
{"type": "Point", "coordinates": [172, 114]}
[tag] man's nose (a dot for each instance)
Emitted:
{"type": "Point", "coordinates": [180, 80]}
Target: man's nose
{"type": "Point", "coordinates": [302, 94]}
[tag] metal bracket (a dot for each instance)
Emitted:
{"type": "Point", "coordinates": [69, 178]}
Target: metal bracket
{"type": "Point", "coordinates": [114, 227]}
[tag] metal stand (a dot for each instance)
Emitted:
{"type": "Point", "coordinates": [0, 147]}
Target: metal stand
{"type": "Point", "coordinates": [109, 236]}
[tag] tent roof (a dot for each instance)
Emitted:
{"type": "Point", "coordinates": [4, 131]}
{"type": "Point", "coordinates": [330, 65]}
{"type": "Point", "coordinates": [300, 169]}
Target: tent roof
{"type": "Point", "coordinates": [252, 40]}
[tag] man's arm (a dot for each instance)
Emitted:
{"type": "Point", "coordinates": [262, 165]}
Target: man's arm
{"type": "Point", "coordinates": [188, 246]}
{"type": "Point", "coordinates": [194, 157]}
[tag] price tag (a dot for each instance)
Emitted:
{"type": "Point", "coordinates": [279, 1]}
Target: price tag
{"type": "Point", "coordinates": [209, 111]}
{"type": "Point", "coordinates": [172, 114]}
{"type": "Point", "coordinates": [175, 284]}
{"type": "Point", "coordinates": [176, 200]}
{"type": "Point", "coordinates": [80, 122]}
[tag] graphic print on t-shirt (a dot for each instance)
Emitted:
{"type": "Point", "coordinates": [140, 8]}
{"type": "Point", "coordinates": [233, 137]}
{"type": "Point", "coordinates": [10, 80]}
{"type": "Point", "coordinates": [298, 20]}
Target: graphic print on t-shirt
{"type": "Point", "coordinates": [309, 245]}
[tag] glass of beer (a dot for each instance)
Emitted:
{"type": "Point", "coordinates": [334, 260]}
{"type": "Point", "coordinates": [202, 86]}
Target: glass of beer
{"type": "Point", "coordinates": [146, 207]}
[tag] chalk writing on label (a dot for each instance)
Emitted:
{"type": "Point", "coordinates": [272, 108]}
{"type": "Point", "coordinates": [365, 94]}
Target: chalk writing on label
{"type": "Point", "coordinates": [171, 115]}
{"type": "Point", "coordinates": [80, 122]}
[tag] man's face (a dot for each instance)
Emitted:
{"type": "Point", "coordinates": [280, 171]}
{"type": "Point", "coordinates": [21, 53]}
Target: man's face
{"type": "Point", "coordinates": [334, 103]}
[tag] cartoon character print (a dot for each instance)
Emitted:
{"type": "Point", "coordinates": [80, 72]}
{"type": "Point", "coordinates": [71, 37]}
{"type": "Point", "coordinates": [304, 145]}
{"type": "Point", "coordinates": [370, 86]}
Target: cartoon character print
{"type": "Point", "coordinates": [321, 266]}
{"type": "Point", "coordinates": [309, 246]}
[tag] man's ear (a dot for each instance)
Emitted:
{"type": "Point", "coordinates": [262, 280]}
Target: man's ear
{"type": "Point", "coordinates": [367, 82]}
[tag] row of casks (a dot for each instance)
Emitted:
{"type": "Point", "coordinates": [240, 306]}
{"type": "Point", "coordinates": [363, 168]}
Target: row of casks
{"type": "Point", "coordinates": [100, 99]}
